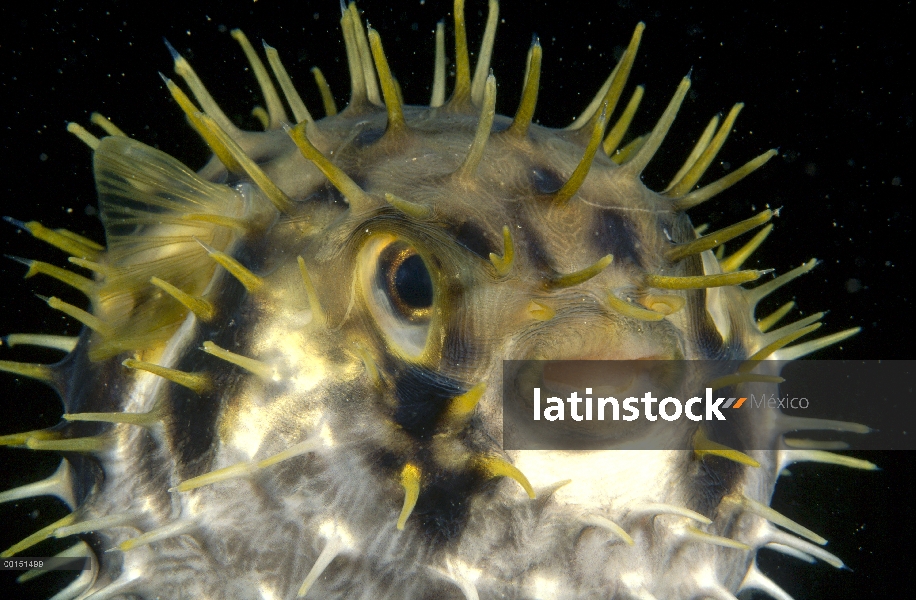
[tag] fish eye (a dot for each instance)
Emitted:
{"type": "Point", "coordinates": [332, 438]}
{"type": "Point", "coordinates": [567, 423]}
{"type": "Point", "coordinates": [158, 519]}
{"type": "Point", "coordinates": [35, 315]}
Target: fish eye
{"type": "Point", "coordinates": [400, 291]}
{"type": "Point", "coordinates": [406, 281]}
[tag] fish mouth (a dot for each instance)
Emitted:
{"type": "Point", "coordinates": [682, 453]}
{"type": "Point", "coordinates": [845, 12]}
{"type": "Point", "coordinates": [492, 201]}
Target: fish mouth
{"type": "Point", "coordinates": [606, 376]}
{"type": "Point", "coordinates": [604, 339]}
{"type": "Point", "coordinates": [596, 361]}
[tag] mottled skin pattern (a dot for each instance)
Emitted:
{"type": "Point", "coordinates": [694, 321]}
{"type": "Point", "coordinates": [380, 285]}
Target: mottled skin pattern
{"type": "Point", "coordinates": [371, 382]}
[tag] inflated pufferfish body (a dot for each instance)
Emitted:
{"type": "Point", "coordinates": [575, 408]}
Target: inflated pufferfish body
{"type": "Point", "coordinates": [290, 373]}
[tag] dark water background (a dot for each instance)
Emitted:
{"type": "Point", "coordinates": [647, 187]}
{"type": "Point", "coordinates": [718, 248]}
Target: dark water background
{"type": "Point", "coordinates": [832, 88]}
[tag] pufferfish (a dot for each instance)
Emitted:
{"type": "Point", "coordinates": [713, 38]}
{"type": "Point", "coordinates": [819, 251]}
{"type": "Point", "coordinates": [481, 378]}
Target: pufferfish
{"type": "Point", "coordinates": [288, 384]}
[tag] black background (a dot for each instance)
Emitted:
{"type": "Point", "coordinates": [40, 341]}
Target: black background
{"type": "Point", "coordinates": [832, 89]}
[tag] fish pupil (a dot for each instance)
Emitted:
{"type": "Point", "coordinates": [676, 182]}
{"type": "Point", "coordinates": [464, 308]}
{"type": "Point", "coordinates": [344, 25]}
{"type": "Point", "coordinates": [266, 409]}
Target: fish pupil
{"type": "Point", "coordinates": [412, 284]}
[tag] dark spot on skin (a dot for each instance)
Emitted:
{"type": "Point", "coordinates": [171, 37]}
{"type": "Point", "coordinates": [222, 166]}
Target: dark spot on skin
{"type": "Point", "coordinates": [546, 180]}
{"type": "Point", "coordinates": [474, 239]}
{"type": "Point", "coordinates": [500, 123]}
{"type": "Point", "coordinates": [441, 512]}
{"type": "Point", "coordinates": [326, 194]}
{"type": "Point", "coordinates": [701, 328]}
{"type": "Point", "coordinates": [88, 475]}
{"type": "Point", "coordinates": [369, 136]}
{"type": "Point", "coordinates": [422, 396]}
{"type": "Point", "coordinates": [386, 459]}
{"type": "Point", "coordinates": [708, 337]}
{"type": "Point", "coordinates": [190, 412]}
{"type": "Point", "coordinates": [534, 248]}
{"type": "Point", "coordinates": [617, 236]}
{"type": "Point", "coordinates": [716, 477]}
{"type": "Point", "coordinates": [77, 390]}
